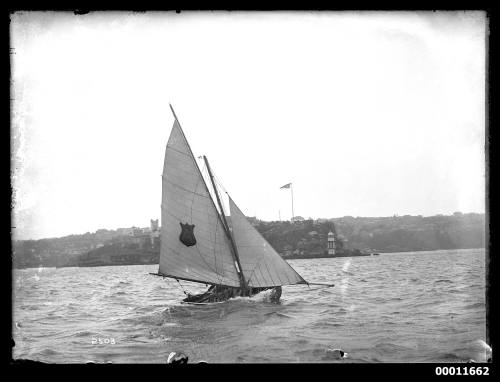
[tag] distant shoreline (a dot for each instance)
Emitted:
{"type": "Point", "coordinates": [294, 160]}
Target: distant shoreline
{"type": "Point", "coordinates": [285, 258]}
{"type": "Point", "coordinates": [302, 239]}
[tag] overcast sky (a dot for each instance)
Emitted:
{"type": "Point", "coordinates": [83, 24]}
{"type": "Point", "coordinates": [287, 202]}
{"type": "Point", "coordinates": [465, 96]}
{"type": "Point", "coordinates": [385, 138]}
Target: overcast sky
{"type": "Point", "coordinates": [366, 113]}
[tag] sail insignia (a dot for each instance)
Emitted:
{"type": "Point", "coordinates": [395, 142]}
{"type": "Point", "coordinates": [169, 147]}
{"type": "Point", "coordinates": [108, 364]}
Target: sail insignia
{"type": "Point", "coordinates": [187, 235]}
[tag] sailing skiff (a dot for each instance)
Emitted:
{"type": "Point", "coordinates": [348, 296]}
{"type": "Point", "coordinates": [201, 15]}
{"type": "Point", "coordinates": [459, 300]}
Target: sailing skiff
{"type": "Point", "coordinates": [199, 244]}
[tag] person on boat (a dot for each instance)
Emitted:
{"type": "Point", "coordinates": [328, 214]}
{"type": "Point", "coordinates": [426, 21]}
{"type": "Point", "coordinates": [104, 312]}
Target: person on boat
{"type": "Point", "coordinates": [275, 294]}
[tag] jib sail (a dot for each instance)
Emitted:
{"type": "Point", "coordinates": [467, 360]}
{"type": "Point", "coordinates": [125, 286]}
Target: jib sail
{"type": "Point", "coordinates": [262, 265]}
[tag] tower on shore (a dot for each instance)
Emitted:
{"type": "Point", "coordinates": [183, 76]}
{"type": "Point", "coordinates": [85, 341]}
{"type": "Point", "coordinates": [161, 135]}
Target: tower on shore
{"type": "Point", "coordinates": [154, 225]}
{"type": "Point", "coordinates": [331, 244]}
{"type": "Point", "coordinates": [155, 232]}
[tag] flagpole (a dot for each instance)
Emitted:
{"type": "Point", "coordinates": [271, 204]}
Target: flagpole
{"type": "Point", "coordinates": [291, 189]}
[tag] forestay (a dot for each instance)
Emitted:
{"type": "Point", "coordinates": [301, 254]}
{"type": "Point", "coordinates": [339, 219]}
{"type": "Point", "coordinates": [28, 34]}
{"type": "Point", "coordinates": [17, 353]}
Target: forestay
{"type": "Point", "coordinates": [201, 253]}
{"type": "Point", "coordinates": [262, 265]}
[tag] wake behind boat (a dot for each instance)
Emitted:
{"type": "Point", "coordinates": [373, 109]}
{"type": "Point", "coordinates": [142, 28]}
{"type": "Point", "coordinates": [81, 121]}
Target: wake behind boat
{"type": "Point", "coordinates": [198, 243]}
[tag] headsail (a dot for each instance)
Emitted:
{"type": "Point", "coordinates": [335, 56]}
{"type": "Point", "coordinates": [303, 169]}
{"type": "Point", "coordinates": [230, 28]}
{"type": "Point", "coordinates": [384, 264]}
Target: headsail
{"type": "Point", "coordinates": [194, 245]}
{"type": "Point", "coordinates": [262, 266]}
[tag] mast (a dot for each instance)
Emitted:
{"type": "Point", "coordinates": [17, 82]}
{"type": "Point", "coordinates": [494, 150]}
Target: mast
{"type": "Point", "coordinates": [226, 228]}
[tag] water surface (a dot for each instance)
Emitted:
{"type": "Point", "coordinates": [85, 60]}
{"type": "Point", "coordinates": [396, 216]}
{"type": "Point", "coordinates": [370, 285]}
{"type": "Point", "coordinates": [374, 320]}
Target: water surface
{"type": "Point", "coordinates": [400, 307]}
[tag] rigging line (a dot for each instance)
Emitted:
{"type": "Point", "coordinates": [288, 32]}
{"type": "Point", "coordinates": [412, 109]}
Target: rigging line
{"type": "Point", "coordinates": [181, 287]}
{"type": "Point", "coordinates": [219, 183]}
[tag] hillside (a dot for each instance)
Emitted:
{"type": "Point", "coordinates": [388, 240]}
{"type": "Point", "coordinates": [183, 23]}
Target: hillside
{"type": "Point", "coordinates": [380, 234]}
{"type": "Point", "coordinates": [377, 234]}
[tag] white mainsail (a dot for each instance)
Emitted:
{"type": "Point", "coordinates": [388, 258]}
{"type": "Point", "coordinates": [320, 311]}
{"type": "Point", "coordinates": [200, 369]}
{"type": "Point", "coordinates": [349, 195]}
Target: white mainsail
{"type": "Point", "coordinates": [186, 200]}
{"type": "Point", "coordinates": [262, 265]}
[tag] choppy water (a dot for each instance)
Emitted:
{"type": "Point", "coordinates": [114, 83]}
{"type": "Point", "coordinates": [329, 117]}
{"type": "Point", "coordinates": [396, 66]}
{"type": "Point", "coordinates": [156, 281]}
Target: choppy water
{"type": "Point", "coordinates": [402, 307]}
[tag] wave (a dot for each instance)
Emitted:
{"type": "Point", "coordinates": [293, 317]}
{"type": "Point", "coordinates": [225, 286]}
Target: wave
{"type": "Point", "coordinates": [388, 347]}
{"type": "Point", "coordinates": [395, 313]}
{"type": "Point", "coordinates": [443, 281]}
{"type": "Point", "coordinates": [451, 357]}
{"type": "Point", "coordinates": [475, 305]}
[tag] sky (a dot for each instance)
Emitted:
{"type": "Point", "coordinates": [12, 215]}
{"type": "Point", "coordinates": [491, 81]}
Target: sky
{"type": "Point", "coordinates": [365, 113]}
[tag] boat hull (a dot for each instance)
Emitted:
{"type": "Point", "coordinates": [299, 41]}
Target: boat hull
{"type": "Point", "coordinates": [211, 296]}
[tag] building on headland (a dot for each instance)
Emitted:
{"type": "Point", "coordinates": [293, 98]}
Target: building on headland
{"type": "Point", "coordinates": [125, 231]}
{"type": "Point", "coordinates": [132, 245]}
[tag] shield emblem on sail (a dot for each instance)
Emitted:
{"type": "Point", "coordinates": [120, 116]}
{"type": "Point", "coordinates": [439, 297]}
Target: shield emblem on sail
{"type": "Point", "coordinates": [187, 235]}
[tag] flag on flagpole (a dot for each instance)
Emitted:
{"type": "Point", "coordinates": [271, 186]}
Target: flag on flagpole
{"type": "Point", "coordinates": [286, 186]}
